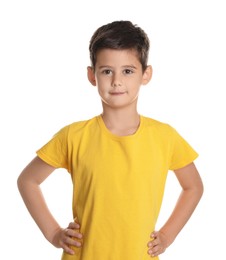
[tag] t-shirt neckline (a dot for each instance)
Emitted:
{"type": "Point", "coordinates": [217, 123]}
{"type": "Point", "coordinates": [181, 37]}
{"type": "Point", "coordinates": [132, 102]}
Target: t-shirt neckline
{"type": "Point", "coordinates": [119, 137]}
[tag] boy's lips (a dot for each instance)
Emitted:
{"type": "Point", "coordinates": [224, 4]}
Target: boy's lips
{"type": "Point", "coordinates": [117, 93]}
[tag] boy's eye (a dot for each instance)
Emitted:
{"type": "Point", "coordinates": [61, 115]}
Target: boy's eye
{"type": "Point", "coordinates": [106, 72]}
{"type": "Point", "coordinates": [128, 71]}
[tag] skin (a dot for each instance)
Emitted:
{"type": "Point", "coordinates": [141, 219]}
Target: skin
{"type": "Point", "coordinates": [118, 77]}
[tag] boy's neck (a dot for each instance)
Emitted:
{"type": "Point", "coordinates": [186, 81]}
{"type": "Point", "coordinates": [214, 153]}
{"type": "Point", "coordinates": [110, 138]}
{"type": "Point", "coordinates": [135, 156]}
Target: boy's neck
{"type": "Point", "coordinates": [121, 122]}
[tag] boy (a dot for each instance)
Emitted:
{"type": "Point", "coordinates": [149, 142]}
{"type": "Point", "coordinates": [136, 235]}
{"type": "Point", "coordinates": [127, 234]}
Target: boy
{"type": "Point", "coordinates": [118, 162]}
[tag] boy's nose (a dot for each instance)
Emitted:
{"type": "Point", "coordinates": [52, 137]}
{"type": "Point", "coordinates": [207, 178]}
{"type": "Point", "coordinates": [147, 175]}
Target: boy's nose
{"type": "Point", "coordinates": [116, 82]}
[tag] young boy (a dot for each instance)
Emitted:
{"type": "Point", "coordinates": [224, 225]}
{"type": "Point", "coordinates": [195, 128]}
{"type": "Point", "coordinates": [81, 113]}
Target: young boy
{"type": "Point", "coordinates": [118, 163]}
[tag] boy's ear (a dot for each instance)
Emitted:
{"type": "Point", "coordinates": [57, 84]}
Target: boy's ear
{"type": "Point", "coordinates": [147, 75]}
{"type": "Point", "coordinates": [91, 75]}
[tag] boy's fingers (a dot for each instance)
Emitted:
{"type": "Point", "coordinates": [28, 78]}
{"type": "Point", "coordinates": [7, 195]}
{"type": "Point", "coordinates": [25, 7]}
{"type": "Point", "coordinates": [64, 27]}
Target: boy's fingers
{"type": "Point", "coordinates": [71, 242]}
{"type": "Point", "coordinates": [154, 239]}
{"type": "Point", "coordinates": [154, 234]}
{"type": "Point", "coordinates": [153, 243]}
{"type": "Point", "coordinates": [71, 233]}
{"type": "Point", "coordinates": [67, 249]}
{"type": "Point", "coordinates": [74, 225]}
{"type": "Point", "coordinates": [157, 250]}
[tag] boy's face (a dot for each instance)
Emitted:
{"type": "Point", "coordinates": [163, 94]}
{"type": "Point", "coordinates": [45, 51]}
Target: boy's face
{"type": "Point", "coordinates": [118, 76]}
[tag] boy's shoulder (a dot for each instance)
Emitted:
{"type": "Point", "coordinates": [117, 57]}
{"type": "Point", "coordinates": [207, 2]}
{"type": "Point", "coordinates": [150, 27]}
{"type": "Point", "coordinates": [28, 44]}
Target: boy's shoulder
{"type": "Point", "coordinates": [159, 128]}
{"type": "Point", "coordinates": [82, 123]}
{"type": "Point", "coordinates": [151, 122]}
{"type": "Point", "coordinates": [79, 126]}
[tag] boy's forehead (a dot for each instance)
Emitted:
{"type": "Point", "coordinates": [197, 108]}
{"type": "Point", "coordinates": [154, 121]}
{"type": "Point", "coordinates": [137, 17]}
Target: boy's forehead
{"type": "Point", "coordinates": [112, 54]}
{"type": "Point", "coordinates": [112, 58]}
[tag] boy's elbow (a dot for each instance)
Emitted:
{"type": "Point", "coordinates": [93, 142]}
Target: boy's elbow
{"type": "Point", "coordinates": [22, 182]}
{"type": "Point", "coordinates": [199, 190]}
{"type": "Point", "coordinates": [19, 182]}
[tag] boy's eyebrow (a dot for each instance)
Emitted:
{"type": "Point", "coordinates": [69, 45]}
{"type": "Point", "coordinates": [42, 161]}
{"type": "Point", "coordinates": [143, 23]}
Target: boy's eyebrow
{"type": "Point", "coordinates": [124, 66]}
{"type": "Point", "coordinates": [130, 66]}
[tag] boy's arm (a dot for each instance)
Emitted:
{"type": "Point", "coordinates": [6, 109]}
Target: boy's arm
{"type": "Point", "coordinates": [29, 186]}
{"type": "Point", "coordinates": [192, 190]}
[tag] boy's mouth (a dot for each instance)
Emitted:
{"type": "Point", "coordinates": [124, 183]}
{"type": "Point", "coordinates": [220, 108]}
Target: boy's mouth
{"type": "Point", "coordinates": [117, 93]}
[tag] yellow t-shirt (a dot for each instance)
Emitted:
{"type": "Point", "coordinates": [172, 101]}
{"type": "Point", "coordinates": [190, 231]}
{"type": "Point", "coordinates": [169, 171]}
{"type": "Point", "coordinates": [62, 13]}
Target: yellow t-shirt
{"type": "Point", "coordinates": [118, 183]}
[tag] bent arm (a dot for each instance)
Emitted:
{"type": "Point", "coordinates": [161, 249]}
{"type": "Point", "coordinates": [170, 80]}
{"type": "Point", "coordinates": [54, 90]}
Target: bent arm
{"type": "Point", "coordinates": [29, 186]}
{"type": "Point", "coordinates": [192, 190]}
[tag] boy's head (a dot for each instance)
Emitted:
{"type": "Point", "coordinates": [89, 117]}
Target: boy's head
{"type": "Point", "coordinates": [120, 35]}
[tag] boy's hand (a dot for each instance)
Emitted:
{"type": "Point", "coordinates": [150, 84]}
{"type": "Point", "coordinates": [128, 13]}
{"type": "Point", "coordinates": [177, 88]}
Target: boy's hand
{"type": "Point", "coordinates": [70, 236]}
{"type": "Point", "coordinates": [158, 244]}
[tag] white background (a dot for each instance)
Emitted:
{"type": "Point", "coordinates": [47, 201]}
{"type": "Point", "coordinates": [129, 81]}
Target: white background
{"type": "Point", "coordinates": [43, 86]}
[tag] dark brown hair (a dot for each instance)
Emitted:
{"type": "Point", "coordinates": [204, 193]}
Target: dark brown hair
{"type": "Point", "coordinates": [120, 35]}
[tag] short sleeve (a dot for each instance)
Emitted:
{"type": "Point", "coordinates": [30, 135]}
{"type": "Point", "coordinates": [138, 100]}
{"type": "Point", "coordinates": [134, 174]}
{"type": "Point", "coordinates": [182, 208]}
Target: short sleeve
{"type": "Point", "coordinates": [182, 153]}
{"type": "Point", "coordinates": [55, 152]}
